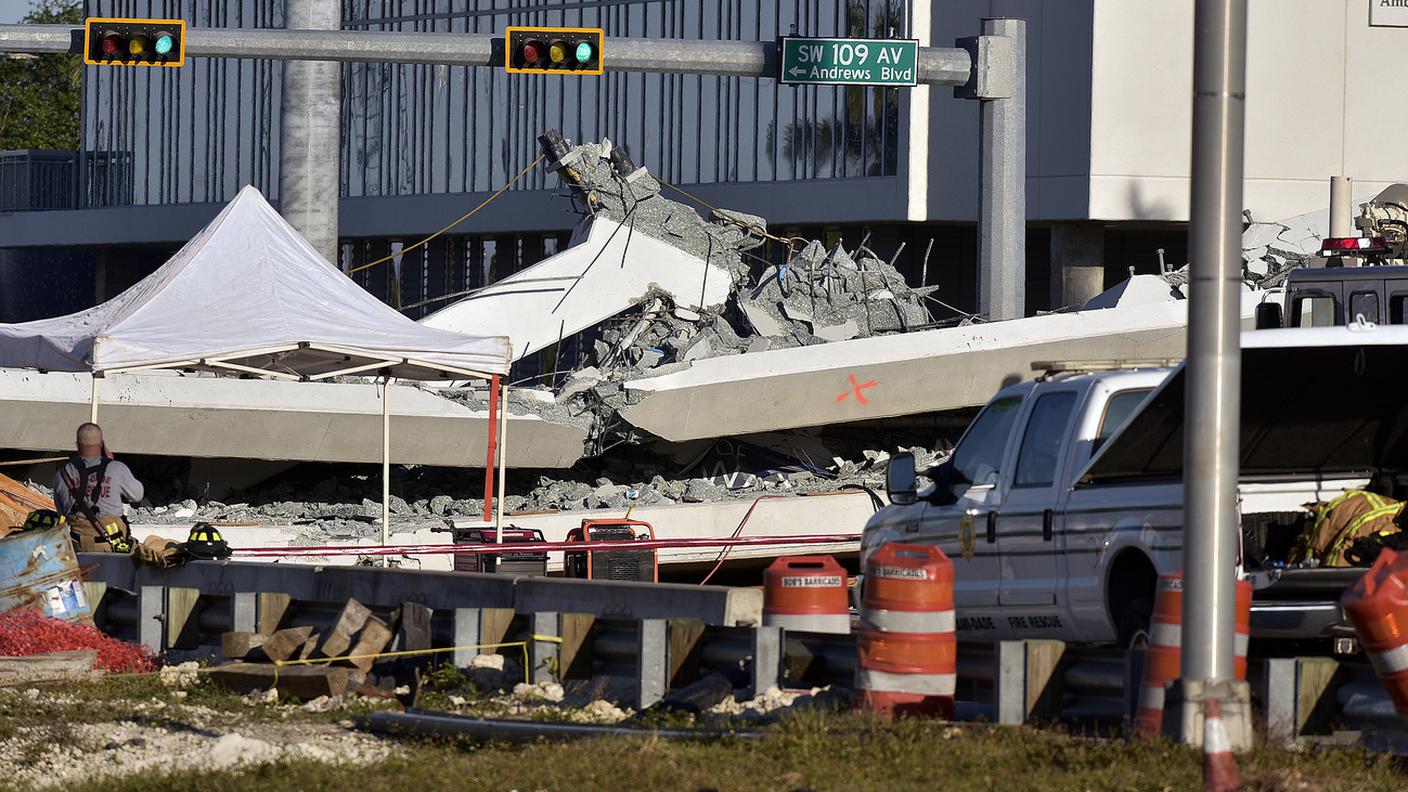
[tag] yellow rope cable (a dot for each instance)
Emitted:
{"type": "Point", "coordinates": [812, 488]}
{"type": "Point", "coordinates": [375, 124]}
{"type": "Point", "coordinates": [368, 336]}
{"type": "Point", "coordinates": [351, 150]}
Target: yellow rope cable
{"type": "Point", "coordinates": [461, 219]}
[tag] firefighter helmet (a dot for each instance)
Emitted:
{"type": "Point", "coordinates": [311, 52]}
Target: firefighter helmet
{"type": "Point", "coordinates": [206, 543]}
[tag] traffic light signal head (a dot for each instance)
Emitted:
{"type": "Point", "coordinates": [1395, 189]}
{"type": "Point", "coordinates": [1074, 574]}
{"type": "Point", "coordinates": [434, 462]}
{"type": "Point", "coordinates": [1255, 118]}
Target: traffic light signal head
{"type": "Point", "coordinates": [134, 42]}
{"type": "Point", "coordinates": [548, 50]}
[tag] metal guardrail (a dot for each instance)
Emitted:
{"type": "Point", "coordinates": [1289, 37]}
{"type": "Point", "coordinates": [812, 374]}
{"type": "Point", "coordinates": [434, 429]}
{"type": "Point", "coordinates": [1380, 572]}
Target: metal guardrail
{"type": "Point", "coordinates": [655, 637]}
{"type": "Point", "coordinates": [564, 622]}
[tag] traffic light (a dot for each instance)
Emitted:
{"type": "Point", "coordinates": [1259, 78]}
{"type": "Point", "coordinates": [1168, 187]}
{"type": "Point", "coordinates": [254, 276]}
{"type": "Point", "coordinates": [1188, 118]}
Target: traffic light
{"type": "Point", "coordinates": [134, 42]}
{"type": "Point", "coordinates": [549, 50]}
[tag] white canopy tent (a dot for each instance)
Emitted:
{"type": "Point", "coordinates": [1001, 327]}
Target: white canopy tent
{"type": "Point", "coordinates": [248, 295]}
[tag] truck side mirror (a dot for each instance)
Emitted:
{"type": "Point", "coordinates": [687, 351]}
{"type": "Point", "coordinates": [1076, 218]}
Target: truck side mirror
{"type": "Point", "coordinates": [899, 479]}
{"type": "Point", "coordinates": [1268, 315]}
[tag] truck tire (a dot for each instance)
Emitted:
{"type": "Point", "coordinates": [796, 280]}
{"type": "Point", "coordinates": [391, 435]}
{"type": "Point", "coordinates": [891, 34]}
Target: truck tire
{"type": "Point", "coordinates": [1134, 624]}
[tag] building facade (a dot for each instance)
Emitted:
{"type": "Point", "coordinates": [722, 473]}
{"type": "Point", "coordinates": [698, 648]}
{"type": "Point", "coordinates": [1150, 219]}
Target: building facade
{"type": "Point", "coordinates": [1109, 113]}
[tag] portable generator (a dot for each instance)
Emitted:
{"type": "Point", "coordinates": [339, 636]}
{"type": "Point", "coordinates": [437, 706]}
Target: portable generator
{"type": "Point", "coordinates": [619, 564]}
{"type": "Point", "coordinates": [525, 562]}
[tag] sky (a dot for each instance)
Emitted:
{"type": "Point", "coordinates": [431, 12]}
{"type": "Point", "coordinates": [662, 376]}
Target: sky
{"type": "Point", "coordinates": [12, 10]}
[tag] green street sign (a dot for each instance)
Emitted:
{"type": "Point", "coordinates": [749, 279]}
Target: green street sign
{"type": "Point", "coordinates": [847, 61]}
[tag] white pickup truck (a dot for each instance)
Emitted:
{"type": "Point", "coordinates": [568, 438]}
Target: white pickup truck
{"type": "Point", "coordinates": [1063, 500]}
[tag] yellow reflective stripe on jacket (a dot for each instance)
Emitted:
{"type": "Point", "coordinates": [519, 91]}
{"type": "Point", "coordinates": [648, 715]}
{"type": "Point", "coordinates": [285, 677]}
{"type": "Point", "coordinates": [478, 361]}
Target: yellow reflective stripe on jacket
{"type": "Point", "coordinates": [1377, 505]}
{"type": "Point", "coordinates": [1348, 533]}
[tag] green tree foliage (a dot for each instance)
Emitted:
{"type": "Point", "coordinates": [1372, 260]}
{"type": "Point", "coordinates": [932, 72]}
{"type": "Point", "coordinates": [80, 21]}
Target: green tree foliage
{"type": "Point", "coordinates": [40, 95]}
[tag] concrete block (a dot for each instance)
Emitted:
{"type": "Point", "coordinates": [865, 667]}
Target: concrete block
{"type": "Point", "coordinates": [464, 636]}
{"type": "Point", "coordinates": [652, 663]}
{"type": "Point", "coordinates": [1183, 711]}
{"type": "Point", "coordinates": [476, 629]}
{"type": "Point", "coordinates": [767, 658]}
{"type": "Point", "coordinates": [244, 611]}
{"type": "Point", "coordinates": [151, 604]}
{"type": "Point", "coordinates": [1300, 697]}
{"type": "Point", "coordinates": [1009, 683]}
{"type": "Point", "coordinates": [1027, 681]}
{"type": "Point", "coordinates": [543, 656]}
{"type": "Point", "coordinates": [1279, 699]}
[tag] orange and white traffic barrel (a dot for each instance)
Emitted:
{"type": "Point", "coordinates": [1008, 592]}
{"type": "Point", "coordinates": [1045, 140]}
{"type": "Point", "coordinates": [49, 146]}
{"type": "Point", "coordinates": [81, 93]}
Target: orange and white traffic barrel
{"type": "Point", "coordinates": [908, 651]}
{"type": "Point", "coordinates": [1164, 652]}
{"type": "Point", "coordinates": [1377, 606]}
{"type": "Point", "coordinates": [807, 593]}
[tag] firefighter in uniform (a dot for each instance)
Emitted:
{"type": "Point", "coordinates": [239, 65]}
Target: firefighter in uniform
{"type": "Point", "coordinates": [89, 490]}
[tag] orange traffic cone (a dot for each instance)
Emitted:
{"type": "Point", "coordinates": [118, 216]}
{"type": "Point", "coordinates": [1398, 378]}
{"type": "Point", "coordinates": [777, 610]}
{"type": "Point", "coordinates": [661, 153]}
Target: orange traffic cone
{"type": "Point", "coordinates": [1220, 772]}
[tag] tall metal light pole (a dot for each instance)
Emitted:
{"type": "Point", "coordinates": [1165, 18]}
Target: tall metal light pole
{"type": "Point", "coordinates": [1213, 419]}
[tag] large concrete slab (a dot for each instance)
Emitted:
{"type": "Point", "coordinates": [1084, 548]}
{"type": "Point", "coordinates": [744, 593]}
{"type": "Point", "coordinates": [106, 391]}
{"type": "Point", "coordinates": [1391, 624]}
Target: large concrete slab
{"type": "Point", "coordinates": [591, 281]}
{"type": "Point", "coordinates": [888, 376]}
{"type": "Point", "coordinates": [172, 415]}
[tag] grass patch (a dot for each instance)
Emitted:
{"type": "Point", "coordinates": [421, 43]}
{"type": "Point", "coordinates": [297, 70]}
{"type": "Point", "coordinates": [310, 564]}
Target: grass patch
{"type": "Point", "coordinates": [813, 750]}
{"type": "Point", "coordinates": [818, 751]}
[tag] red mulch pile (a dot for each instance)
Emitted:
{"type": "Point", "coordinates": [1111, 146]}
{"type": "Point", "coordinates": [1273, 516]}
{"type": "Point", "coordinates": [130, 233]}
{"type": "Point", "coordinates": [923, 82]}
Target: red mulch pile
{"type": "Point", "coordinates": [29, 632]}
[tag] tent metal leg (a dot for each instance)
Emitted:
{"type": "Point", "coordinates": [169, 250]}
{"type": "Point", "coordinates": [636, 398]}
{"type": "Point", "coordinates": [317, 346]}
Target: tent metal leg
{"type": "Point", "coordinates": [385, 464]}
{"type": "Point", "coordinates": [503, 465]}
{"type": "Point", "coordinates": [93, 408]}
{"type": "Point", "coordinates": [492, 447]}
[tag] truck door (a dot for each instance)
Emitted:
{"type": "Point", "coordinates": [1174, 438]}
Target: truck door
{"type": "Point", "coordinates": [961, 529]}
{"type": "Point", "coordinates": [1027, 520]}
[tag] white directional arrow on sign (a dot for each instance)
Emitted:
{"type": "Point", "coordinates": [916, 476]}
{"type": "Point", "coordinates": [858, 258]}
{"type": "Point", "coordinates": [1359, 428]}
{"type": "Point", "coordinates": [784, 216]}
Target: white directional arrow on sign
{"type": "Point", "coordinates": [796, 70]}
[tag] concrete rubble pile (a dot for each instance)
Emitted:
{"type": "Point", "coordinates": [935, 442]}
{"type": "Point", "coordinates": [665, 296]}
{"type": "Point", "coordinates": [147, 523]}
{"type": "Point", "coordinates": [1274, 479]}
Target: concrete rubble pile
{"type": "Point", "coordinates": [1269, 252]}
{"type": "Point", "coordinates": [604, 492]}
{"type": "Point", "coordinates": [816, 295]}
{"type": "Point", "coordinates": [346, 507]}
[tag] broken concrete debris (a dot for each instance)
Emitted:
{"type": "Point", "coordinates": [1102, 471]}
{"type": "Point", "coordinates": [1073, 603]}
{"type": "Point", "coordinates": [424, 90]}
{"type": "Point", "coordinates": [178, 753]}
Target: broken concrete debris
{"type": "Point", "coordinates": [1269, 252]}
{"type": "Point", "coordinates": [802, 293]}
{"type": "Point", "coordinates": [342, 508]}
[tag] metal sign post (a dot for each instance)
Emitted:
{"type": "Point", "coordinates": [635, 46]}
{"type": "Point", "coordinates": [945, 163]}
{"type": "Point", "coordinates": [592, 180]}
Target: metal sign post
{"type": "Point", "coordinates": [841, 61]}
{"type": "Point", "coordinates": [1214, 368]}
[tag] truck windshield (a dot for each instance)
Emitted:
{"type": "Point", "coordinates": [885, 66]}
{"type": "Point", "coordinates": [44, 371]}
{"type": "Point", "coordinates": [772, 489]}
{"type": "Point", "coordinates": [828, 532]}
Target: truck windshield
{"type": "Point", "coordinates": [978, 456]}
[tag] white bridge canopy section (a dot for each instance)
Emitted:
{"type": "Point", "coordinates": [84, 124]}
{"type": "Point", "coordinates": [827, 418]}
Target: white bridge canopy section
{"type": "Point", "coordinates": [248, 295]}
{"type": "Point", "coordinates": [608, 269]}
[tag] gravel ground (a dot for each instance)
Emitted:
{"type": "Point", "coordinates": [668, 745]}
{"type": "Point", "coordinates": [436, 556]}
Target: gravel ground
{"type": "Point", "coordinates": [92, 751]}
{"type": "Point", "coordinates": [163, 734]}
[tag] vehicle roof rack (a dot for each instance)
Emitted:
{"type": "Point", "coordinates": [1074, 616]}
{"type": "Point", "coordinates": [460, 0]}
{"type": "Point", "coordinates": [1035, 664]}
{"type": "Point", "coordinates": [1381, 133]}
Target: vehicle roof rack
{"type": "Point", "coordinates": [1051, 368]}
